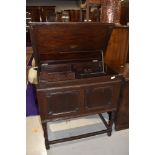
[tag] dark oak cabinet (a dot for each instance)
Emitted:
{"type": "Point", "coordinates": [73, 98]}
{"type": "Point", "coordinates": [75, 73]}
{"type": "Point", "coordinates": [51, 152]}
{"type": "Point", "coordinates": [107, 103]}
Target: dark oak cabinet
{"type": "Point", "coordinates": [73, 80]}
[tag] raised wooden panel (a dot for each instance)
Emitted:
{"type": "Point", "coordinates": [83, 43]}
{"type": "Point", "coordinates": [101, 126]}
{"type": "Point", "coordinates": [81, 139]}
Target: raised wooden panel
{"type": "Point", "coordinates": [103, 96]}
{"type": "Point", "coordinates": [98, 97]}
{"type": "Point", "coordinates": [118, 47]}
{"type": "Point", "coordinates": [63, 102]}
{"type": "Point", "coordinates": [54, 103]}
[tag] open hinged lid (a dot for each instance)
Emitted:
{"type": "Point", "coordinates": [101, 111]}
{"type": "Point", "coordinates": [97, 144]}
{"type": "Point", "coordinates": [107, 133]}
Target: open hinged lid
{"type": "Point", "coordinates": [68, 41]}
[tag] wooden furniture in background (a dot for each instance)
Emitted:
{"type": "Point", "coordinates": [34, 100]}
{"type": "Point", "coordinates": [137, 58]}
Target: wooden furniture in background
{"type": "Point", "coordinates": [48, 13]}
{"type": "Point", "coordinates": [34, 13]}
{"type": "Point", "coordinates": [122, 114]}
{"type": "Point", "coordinates": [124, 17]}
{"type": "Point", "coordinates": [74, 15]}
{"type": "Point", "coordinates": [41, 13]}
{"type": "Point", "coordinates": [118, 46]}
{"type": "Point", "coordinates": [73, 80]}
{"type": "Point", "coordinates": [117, 56]}
{"type": "Point", "coordinates": [38, 14]}
{"type": "Point", "coordinates": [93, 16]}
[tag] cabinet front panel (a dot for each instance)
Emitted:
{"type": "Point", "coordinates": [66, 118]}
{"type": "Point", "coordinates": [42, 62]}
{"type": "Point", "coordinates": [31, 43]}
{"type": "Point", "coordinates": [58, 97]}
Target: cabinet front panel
{"type": "Point", "coordinates": [101, 97]}
{"type": "Point", "coordinates": [76, 100]}
{"type": "Point", "coordinates": [63, 102]}
{"type": "Point", "coordinates": [53, 104]}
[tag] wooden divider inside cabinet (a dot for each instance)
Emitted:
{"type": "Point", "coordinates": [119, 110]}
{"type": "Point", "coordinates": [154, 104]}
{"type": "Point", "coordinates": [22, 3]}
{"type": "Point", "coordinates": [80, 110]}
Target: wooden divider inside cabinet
{"type": "Point", "coordinates": [56, 76]}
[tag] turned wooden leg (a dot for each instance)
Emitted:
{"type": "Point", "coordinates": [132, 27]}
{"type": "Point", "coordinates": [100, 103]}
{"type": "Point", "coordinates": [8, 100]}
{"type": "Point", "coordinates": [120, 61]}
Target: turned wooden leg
{"type": "Point", "coordinates": [46, 135]}
{"type": "Point", "coordinates": [111, 121]}
{"type": "Point", "coordinates": [109, 114]}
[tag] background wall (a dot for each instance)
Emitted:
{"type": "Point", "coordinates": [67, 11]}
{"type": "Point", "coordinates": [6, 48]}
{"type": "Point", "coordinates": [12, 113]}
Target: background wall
{"type": "Point", "coordinates": [60, 4]}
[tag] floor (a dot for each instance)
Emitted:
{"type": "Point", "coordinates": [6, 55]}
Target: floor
{"type": "Point", "coordinates": [117, 144]}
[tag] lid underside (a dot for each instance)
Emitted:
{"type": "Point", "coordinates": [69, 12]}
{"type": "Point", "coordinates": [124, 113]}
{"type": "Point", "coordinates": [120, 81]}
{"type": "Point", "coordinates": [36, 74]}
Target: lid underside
{"type": "Point", "coordinates": [53, 41]}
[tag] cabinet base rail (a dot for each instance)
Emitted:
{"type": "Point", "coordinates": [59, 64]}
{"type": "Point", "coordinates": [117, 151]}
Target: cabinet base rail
{"type": "Point", "coordinates": [108, 130]}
